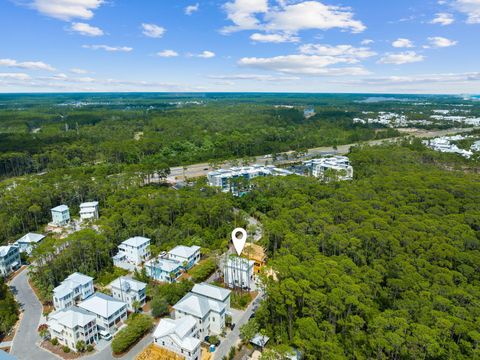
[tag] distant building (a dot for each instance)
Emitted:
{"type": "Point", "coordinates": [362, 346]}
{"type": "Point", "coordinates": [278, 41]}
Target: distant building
{"type": "Point", "coordinates": [180, 336]}
{"type": "Point", "coordinates": [308, 113]}
{"type": "Point", "coordinates": [188, 256]}
{"type": "Point", "coordinates": [129, 291]}
{"type": "Point", "coordinates": [208, 305]}
{"type": "Point", "coordinates": [257, 254]}
{"type": "Point", "coordinates": [444, 144]}
{"type": "Point", "coordinates": [162, 269]}
{"type": "Point", "coordinates": [475, 146]}
{"type": "Point", "coordinates": [338, 165]}
{"type": "Point", "coordinates": [9, 259]}
{"type": "Point", "coordinates": [132, 252]}
{"type": "Point", "coordinates": [72, 325]}
{"type": "Point", "coordinates": [27, 242]}
{"type": "Point", "coordinates": [109, 312]}
{"type": "Point", "coordinates": [89, 210]}
{"type": "Point", "coordinates": [76, 287]}
{"type": "Point", "coordinates": [238, 272]}
{"type": "Point", "coordinates": [60, 215]}
{"type": "Point", "coordinates": [231, 180]}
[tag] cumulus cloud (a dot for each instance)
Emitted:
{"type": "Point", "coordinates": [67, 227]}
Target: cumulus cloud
{"type": "Point", "coordinates": [30, 65]}
{"type": "Point", "coordinates": [402, 43]}
{"type": "Point", "coordinates": [274, 38]}
{"type": "Point", "coordinates": [303, 64]}
{"type": "Point", "coordinates": [440, 42]}
{"type": "Point", "coordinates": [152, 30]}
{"type": "Point", "coordinates": [443, 19]}
{"type": "Point", "coordinates": [471, 8]}
{"type": "Point", "coordinates": [67, 9]}
{"type": "Point", "coordinates": [79, 71]}
{"type": "Point", "coordinates": [205, 54]}
{"type": "Point", "coordinates": [190, 9]}
{"type": "Point", "coordinates": [366, 42]}
{"type": "Point", "coordinates": [401, 58]}
{"type": "Point", "coordinates": [425, 78]}
{"type": "Point", "coordinates": [167, 53]}
{"type": "Point", "coordinates": [86, 29]}
{"type": "Point", "coordinates": [289, 17]}
{"type": "Point", "coordinates": [350, 53]}
{"type": "Point", "coordinates": [14, 76]}
{"type": "Point", "coordinates": [108, 48]}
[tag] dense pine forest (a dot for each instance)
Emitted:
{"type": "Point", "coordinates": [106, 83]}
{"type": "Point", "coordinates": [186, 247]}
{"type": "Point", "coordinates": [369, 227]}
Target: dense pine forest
{"type": "Point", "coordinates": [386, 266]}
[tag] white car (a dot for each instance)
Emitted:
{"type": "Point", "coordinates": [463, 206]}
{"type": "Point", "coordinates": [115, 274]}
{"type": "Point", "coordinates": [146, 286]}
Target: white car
{"type": "Point", "coordinates": [105, 335]}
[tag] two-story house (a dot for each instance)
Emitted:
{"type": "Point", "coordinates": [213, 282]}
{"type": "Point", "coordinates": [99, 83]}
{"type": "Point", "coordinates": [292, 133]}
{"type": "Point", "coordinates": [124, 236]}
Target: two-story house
{"type": "Point", "coordinates": [60, 215]}
{"type": "Point", "coordinates": [128, 291]}
{"type": "Point", "coordinates": [72, 325]}
{"type": "Point", "coordinates": [27, 242]}
{"type": "Point", "coordinates": [9, 259]}
{"type": "Point", "coordinates": [180, 336]}
{"type": "Point", "coordinates": [74, 288]}
{"type": "Point", "coordinates": [188, 256]}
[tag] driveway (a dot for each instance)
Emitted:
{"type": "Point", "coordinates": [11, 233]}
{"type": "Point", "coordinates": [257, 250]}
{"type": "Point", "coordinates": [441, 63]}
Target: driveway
{"type": "Point", "coordinates": [24, 344]}
{"type": "Point", "coordinates": [234, 336]}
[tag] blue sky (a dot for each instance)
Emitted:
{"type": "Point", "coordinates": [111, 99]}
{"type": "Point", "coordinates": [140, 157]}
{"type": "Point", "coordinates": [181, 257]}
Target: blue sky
{"type": "Point", "coordinates": [240, 45]}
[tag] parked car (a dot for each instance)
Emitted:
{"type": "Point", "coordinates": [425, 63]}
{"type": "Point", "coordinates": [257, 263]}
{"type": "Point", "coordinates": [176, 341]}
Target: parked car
{"type": "Point", "coordinates": [105, 335]}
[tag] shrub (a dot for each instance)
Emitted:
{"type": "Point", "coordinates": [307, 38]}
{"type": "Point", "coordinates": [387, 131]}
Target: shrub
{"type": "Point", "coordinates": [136, 328]}
{"type": "Point", "coordinates": [214, 340]}
{"type": "Point", "coordinates": [65, 349]}
{"type": "Point", "coordinates": [80, 346]}
{"type": "Point", "coordinates": [90, 348]}
{"type": "Point", "coordinates": [202, 271]}
{"type": "Point", "coordinates": [54, 341]}
{"type": "Point", "coordinates": [159, 306]}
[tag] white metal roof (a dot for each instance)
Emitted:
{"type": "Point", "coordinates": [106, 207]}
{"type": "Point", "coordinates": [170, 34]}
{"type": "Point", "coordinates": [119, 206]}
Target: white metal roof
{"type": "Point", "coordinates": [89, 204]}
{"type": "Point", "coordinates": [125, 284]}
{"type": "Point", "coordinates": [74, 280]}
{"type": "Point", "coordinates": [198, 306]}
{"type": "Point", "coordinates": [4, 250]}
{"type": "Point", "coordinates": [211, 291]}
{"type": "Point", "coordinates": [166, 265]}
{"type": "Point", "coordinates": [184, 251]}
{"type": "Point", "coordinates": [102, 305]}
{"type": "Point", "coordinates": [31, 238]}
{"type": "Point", "coordinates": [60, 208]}
{"type": "Point", "coordinates": [71, 317]}
{"type": "Point", "coordinates": [136, 241]}
{"type": "Point", "coordinates": [178, 330]}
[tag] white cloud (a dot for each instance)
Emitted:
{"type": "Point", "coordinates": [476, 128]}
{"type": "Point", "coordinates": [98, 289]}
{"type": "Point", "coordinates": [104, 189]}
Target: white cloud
{"type": "Point", "coordinates": [274, 38]}
{"type": "Point", "coordinates": [443, 19]}
{"type": "Point", "coordinates": [86, 29]}
{"type": "Point", "coordinates": [349, 52]}
{"type": "Point", "coordinates": [367, 42]}
{"type": "Point", "coordinates": [256, 77]}
{"type": "Point", "coordinates": [303, 64]}
{"type": "Point", "coordinates": [401, 58]}
{"type": "Point", "coordinates": [471, 8]}
{"type": "Point", "coordinates": [79, 71]}
{"type": "Point", "coordinates": [190, 9]}
{"type": "Point", "coordinates": [67, 9]}
{"type": "Point", "coordinates": [152, 30]}
{"type": "Point", "coordinates": [14, 76]}
{"type": "Point", "coordinates": [206, 54]}
{"type": "Point", "coordinates": [167, 53]}
{"type": "Point", "coordinates": [426, 78]}
{"type": "Point", "coordinates": [288, 17]}
{"type": "Point", "coordinates": [31, 65]}
{"type": "Point", "coordinates": [440, 42]}
{"type": "Point", "coordinates": [108, 48]}
{"type": "Point", "coordinates": [402, 43]}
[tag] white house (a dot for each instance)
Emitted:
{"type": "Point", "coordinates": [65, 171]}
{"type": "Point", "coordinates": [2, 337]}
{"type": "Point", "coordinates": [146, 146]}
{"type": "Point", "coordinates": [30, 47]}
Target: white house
{"type": "Point", "coordinates": [180, 336]}
{"type": "Point", "coordinates": [186, 255]}
{"type": "Point", "coordinates": [133, 251]}
{"type": "Point", "coordinates": [238, 272]}
{"type": "Point", "coordinates": [340, 165]}
{"type": "Point", "coordinates": [161, 269]}
{"type": "Point", "coordinates": [128, 291]}
{"type": "Point", "coordinates": [226, 179]}
{"type": "Point", "coordinates": [60, 215]}
{"type": "Point", "coordinates": [72, 325]}
{"type": "Point", "coordinates": [74, 288]}
{"type": "Point", "coordinates": [109, 312]}
{"type": "Point", "coordinates": [89, 210]}
{"type": "Point", "coordinates": [9, 259]}
{"type": "Point", "coordinates": [27, 242]}
{"type": "Point", "coordinates": [205, 306]}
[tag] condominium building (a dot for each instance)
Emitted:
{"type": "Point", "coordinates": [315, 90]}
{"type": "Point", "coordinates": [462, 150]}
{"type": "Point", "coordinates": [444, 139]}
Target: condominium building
{"type": "Point", "coordinates": [229, 180]}
{"type": "Point", "coordinates": [72, 325]}
{"type": "Point", "coordinates": [74, 288]}
{"type": "Point", "coordinates": [339, 166]}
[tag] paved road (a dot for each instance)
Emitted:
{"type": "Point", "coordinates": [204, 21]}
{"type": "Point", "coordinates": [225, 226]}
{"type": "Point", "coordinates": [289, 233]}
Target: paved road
{"type": "Point", "coordinates": [24, 344]}
{"type": "Point", "coordinates": [198, 170]}
{"type": "Point", "coordinates": [234, 336]}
